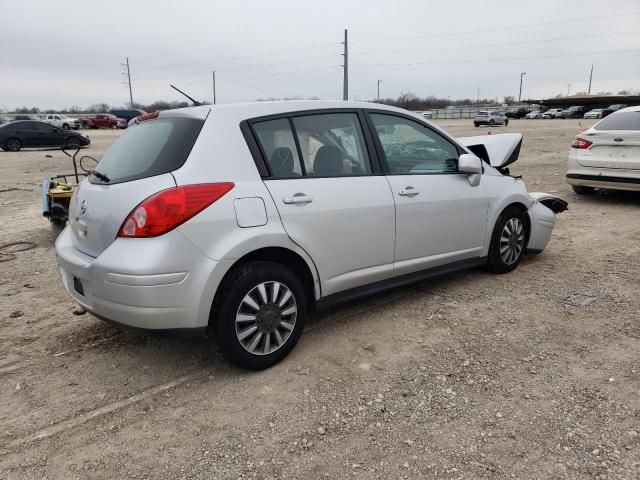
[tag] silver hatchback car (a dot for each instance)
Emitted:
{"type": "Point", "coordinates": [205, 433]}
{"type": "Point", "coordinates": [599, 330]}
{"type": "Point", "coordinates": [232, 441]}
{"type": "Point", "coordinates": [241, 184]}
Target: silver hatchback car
{"type": "Point", "coordinates": [238, 220]}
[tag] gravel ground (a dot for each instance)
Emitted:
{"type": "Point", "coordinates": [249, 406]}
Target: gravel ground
{"type": "Point", "coordinates": [534, 374]}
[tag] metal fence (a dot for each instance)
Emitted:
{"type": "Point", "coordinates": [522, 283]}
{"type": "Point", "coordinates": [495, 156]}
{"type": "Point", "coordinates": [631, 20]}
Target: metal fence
{"type": "Point", "coordinates": [458, 112]}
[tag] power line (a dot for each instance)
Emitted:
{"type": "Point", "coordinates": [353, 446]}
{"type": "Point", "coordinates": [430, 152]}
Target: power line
{"type": "Point", "coordinates": [494, 60]}
{"type": "Point", "coordinates": [245, 67]}
{"type": "Point", "coordinates": [489, 45]}
{"type": "Point", "coordinates": [514, 27]}
{"type": "Point", "coordinates": [225, 59]}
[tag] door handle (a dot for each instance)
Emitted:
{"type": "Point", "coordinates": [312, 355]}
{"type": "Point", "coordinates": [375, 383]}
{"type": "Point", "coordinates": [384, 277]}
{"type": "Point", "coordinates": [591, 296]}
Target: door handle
{"type": "Point", "coordinates": [297, 198]}
{"type": "Point", "coordinates": [408, 191]}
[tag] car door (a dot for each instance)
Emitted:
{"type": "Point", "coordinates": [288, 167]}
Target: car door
{"type": "Point", "coordinates": [332, 199]}
{"type": "Point", "coordinates": [441, 214]}
{"type": "Point", "coordinates": [28, 134]}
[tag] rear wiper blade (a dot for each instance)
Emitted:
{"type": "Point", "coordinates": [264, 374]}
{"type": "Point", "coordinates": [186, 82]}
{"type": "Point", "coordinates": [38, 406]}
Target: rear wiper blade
{"type": "Point", "coordinates": [101, 176]}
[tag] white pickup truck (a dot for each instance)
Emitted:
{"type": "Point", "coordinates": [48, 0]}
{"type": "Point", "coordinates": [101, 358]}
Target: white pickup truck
{"type": "Point", "coordinates": [62, 121]}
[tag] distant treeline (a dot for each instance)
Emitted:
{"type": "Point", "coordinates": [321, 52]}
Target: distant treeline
{"type": "Point", "coordinates": [104, 108]}
{"type": "Point", "coordinates": [406, 100]}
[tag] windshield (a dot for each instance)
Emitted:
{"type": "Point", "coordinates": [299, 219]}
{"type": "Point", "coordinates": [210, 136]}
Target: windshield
{"type": "Point", "coordinates": [620, 121]}
{"type": "Point", "coordinates": [151, 148]}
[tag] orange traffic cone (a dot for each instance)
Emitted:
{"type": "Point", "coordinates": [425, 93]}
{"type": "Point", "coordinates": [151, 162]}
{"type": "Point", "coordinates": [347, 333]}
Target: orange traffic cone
{"type": "Point", "coordinates": [580, 127]}
{"type": "Point", "coordinates": [489, 131]}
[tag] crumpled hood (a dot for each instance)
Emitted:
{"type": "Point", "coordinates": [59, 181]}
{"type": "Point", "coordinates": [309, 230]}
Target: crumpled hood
{"type": "Point", "coordinates": [498, 150]}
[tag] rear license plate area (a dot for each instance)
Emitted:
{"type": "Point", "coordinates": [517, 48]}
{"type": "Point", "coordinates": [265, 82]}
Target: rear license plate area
{"type": "Point", "coordinates": [77, 286]}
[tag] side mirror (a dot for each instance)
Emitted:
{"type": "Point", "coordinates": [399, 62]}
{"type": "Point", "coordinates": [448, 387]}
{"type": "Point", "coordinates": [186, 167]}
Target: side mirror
{"type": "Point", "coordinates": [469, 163]}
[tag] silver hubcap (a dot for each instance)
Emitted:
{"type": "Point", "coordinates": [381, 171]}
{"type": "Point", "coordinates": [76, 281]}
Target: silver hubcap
{"type": "Point", "coordinates": [512, 241]}
{"type": "Point", "coordinates": [266, 317]}
{"type": "Point", "coordinates": [13, 144]}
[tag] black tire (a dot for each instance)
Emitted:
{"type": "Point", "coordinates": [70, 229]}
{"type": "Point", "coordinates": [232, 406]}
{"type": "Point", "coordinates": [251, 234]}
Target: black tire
{"type": "Point", "coordinates": [13, 144]}
{"type": "Point", "coordinates": [506, 122]}
{"type": "Point", "coordinates": [65, 126]}
{"type": "Point", "coordinates": [56, 229]}
{"type": "Point", "coordinates": [580, 190]}
{"type": "Point", "coordinates": [72, 142]}
{"type": "Point", "coordinates": [239, 284]}
{"type": "Point", "coordinates": [476, 124]}
{"type": "Point", "coordinates": [492, 123]}
{"type": "Point", "coordinates": [496, 261]}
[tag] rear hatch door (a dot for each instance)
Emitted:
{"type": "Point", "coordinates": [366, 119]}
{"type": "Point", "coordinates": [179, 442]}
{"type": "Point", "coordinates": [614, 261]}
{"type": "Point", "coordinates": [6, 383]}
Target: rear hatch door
{"type": "Point", "coordinates": [138, 165]}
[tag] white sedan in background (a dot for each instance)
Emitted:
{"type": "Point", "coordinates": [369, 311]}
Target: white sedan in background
{"type": "Point", "coordinates": [553, 113]}
{"type": "Point", "coordinates": [595, 113]}
{"type": "Point", "coordinates": [607, 155]}
{"type": "Point", "coordinates": [534, 114]}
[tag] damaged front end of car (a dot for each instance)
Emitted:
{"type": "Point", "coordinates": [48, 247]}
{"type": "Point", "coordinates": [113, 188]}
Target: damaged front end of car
{"type": "Point", "coordinates": [502, 150]}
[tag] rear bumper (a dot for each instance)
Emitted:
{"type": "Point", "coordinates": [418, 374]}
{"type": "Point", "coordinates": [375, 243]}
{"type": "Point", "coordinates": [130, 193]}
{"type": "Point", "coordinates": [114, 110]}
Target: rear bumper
{"type": "Point", "coordinates": [604, 181]}
{"type": "Point", "coordinates": [161, 283]}
{"type": "Point", "coordinates": [611, 178]}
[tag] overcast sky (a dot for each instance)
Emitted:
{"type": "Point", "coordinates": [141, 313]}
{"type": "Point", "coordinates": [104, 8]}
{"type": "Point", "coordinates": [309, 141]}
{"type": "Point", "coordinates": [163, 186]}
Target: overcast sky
{"type": "Point", "coordinates": [56, 54]}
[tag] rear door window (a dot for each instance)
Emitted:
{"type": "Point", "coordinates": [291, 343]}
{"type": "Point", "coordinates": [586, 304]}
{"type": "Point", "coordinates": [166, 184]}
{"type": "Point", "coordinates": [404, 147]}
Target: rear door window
{"type": "Point", "coordinates": [332, 145]}
{"type": "Point", "coordinates": [279, 147]}
{"type": "Point", "coordinates": [620, 121]}
{"type": "Point", "coordinates": [150, 148]}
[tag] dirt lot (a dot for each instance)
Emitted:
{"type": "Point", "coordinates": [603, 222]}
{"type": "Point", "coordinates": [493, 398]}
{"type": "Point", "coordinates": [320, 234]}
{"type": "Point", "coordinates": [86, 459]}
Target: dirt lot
{"type": "Point", "coordinates": [470, 376]}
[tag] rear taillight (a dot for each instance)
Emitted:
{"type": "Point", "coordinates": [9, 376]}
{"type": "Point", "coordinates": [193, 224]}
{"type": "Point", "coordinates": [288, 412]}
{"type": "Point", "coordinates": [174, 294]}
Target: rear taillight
{"type": "Point", "coordinates": [164, 211]}
{"type": "Point", "coordinates": [581, 143]}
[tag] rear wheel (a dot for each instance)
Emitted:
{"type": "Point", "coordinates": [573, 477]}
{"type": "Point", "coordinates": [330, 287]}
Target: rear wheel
{"type": "Point", "coordinates": [65, 126]}
{"type": "Point", "coordinates": [580, 190]}
{"type": "Point", "coordinates": [56, 228]}
{"type": "Point", "coordinates": [260, 314]}
{"type": "Point", "coordinates": [507, 241]}
{"type": "Point", "coordinates": [73, 142]}
{"type": "Point", "coordinates": [476, 124]}
{"type": "Point", "coordinates": [506, 122]}
{"type": "Point", "coordinates": [13, 144]}
{"type": "Point", "coordinates": [492, 123]}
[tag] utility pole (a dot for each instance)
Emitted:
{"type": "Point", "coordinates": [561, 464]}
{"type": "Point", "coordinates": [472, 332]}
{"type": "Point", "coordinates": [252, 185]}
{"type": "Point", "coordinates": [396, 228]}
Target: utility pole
{"type": "Point", "coordinates": [520, 94]}
{"type": "Point", "coordinates": [214, 87]}
{"type": "Point", "coordinates": [345, 84]}
{"type": "Point", "coordinates": [127, 74]}
{"type": "Point", "coordinates": [590, 78]}
{"type": "Point", "coordinates": [478, 95]}
{"type": "Point", "coordinates": [568, 89]}
{"type": "Point", "coordinates": [379, 89]}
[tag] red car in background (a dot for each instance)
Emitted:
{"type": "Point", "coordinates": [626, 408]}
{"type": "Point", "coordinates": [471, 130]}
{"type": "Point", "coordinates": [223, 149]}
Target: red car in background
{"type": "Point", "coordinates": [104, 120]}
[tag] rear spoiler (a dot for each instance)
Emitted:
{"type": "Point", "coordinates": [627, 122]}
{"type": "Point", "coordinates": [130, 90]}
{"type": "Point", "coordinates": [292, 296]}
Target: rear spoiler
{"type": "Point", "coordinates": [497, 150]}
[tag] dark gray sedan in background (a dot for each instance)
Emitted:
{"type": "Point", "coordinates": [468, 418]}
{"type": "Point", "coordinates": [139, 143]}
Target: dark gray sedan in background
{"type": "Point", "coordinates": [30, 134]}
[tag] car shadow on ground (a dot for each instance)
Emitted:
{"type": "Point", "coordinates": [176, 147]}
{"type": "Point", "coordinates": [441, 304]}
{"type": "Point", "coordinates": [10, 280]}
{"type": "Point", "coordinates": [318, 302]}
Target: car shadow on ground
{"type": "Point", "coordinates": [168, 352]}
{"type": "Point", "coordinates": [612, 197]}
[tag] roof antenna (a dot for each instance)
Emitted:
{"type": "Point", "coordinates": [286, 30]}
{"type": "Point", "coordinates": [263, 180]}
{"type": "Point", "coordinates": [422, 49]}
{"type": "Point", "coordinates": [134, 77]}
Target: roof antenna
{"type": "Point", "coordinates": [195, 102]}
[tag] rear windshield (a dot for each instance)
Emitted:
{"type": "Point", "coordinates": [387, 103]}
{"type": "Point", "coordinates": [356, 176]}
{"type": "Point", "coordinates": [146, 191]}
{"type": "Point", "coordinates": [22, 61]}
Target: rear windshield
{"type": "Point", "coordinates": [150, 148]}
{"type": "Point", "coordinates": [620, 121]}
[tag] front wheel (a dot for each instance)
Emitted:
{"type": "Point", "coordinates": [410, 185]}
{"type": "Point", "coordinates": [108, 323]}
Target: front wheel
{"type": "Point", "coordinates": [65, 126]}
{"type": "Point", "coordinates": [476, 125]}
{"type": "Point", "coordinates": [492, 123]}
{"type": "Point", "coordinates": [259, 315]}
{"type": "Point", "coordinates": [507, 241]}
{"type": "Point", "coordinates": [506, 122]}
{"type": "Point", "coordinates": [73, 142]}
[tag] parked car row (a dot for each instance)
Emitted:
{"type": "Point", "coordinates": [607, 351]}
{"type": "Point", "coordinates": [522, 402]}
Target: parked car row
{"type": "Point", "coordinates": [576, 111]}
{"type": "Point", "coordinates": [113, 119]}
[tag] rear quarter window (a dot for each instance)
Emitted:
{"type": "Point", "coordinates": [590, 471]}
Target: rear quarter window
{"type": "Point", "coordinates": [620, 121]}
{"type": "Point", "coordinates": [150, 148]}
